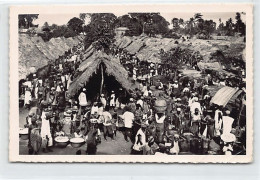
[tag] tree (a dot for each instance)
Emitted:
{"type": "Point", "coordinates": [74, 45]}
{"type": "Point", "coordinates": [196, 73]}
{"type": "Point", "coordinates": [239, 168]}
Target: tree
{"type": "Point", "coordinates": [152, 23]}
{"type": "Point", "coordinates": [209, 26]}
{"type": "Point", "coordinates": [26, 20]}
{"type": "Point", "coordinates": [100, 32]}
{"type": "Point", "coordinates": [46, 27]}
{"type": "Point", "coordinates": [175, 24]}
{"type": "Point", "coordinates": [240, 27]}
{"type": "Point", "coordinates": [76, 25]}
{"type": "Point", "coordinates": [229, 27]}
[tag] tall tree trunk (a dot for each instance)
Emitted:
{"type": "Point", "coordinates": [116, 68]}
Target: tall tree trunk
{"type": "Point", "coordinates": [102, 79]}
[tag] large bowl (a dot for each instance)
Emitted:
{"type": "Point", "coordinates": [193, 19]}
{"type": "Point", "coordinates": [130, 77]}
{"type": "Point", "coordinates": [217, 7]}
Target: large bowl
{"type": "Point", "coordinates": [24, 133]}
{"type": "Point", "coordinates": [62, 141]}
{"type": "Point", "coordinates": [77, 142]}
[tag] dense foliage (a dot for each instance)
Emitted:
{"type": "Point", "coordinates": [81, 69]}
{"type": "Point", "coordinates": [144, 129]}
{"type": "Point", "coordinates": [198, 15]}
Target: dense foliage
{"type": "Point", "coordinates": [100, 27]}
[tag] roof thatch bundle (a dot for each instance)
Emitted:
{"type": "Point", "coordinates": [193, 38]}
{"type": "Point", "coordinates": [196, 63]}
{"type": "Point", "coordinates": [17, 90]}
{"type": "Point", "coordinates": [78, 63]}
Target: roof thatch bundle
{"type": "Point", "coordinates": [91, 65]}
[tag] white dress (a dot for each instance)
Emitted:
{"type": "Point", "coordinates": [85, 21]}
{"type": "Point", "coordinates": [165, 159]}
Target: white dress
{"type": "Point", "coordinates": [27, 97]}
{"type": "Point", "coordinates": [83, 99]}
{"type": "Point", "coordinates": [46, 129]}
{"type": "Point", "coordinates": [227, 124]}
{"type": "Point", "coordinates": [112, 101]}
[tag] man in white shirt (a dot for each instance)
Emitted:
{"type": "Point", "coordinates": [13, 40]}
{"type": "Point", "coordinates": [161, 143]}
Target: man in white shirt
{"type": "Point", "coordinates": [83, 102]}
{"type": "Point", "coordinates": [195, 105]}
{"type": "Point", "coordinates": [107, 124]}
{"type": "Point", "coordinates": [140, 101]}
{"type": "Point", "coordinates": [128, 118]}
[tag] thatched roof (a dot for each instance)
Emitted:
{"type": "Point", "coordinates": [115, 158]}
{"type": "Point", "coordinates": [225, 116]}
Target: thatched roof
{"type": "Point", "coordinates": [29, 56]}
{"type": "Point", "coordinates": [34, 52]}
{"type": "Point", "coordinates": [91, 65]}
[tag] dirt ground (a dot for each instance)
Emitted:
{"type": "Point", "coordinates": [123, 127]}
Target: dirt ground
{"type": "Point", "coordinates": [109, 147]}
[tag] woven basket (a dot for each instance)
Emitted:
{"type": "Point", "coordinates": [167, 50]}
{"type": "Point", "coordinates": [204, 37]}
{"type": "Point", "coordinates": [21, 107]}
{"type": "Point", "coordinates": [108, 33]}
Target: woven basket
{"type": "Point", "coordinates": [160, 105]}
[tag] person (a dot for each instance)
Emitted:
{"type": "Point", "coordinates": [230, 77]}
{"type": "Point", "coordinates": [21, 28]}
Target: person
{"type": "Point", "coordinates": [179, 120]}
{"type": "Point", "coordinates": [35, 140]}
{"type": "Point", "coordinates": [107, 124]}
{"type": "Point", "coordinates": [83, 102]}
{"type": "Point", "coordinates": [207, 126]}
{"type": "Point", "coordinates": [128, 118]}
{"type": "Point", "coordinates": [103, 100]}
{"type": "Point", "coordinates": [27, 97]}
{"type": "Point", "coordinates": [140, 141]}
{"type": "Point", "coordinates": [218, 121]}
{"type": "Point", "coordinates": [160, 87]}
{"type": "Point", "coordinates": [132, 105]}
{"type": "Point", "coordinates": [91, 139]}
{"type": "Point", "coordinates": [160, 118]}
{"type": "Point", "coordinates": [175, 148]}
{"type": "Point", "coordinates": [195, 122]}
{"type": "Point", "coordinates": [77, 134]}
{"type": "Point", "coordinates": [112, 99]}
{"type": "Point", "coordinates": [46, 131]}
{"type": "Point", "coordinates": [147, 92]}
{"type": "Point", "coordinates": [195, 105]}
{"type": "Point", "coordinates": [227, 122]}
{"type": "Point", "coordinates": [150, 147]}
{"type": "Point", "coordinates": [140, 101]}
{"type": "Point", "coordinates": [94, 108]}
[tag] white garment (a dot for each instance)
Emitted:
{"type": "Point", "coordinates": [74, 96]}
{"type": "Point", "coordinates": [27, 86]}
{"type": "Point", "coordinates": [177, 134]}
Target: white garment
{"type": "Point", "coordinates": [83, 99]}
{"type": "Point", "coordinates": [194, 106]}
{"type": "Point", "coordinates": [46, 129]}
{"type": "Point", "coordinates": [68, 81]}
{"type": "Point", "coordinates": [128, 119]}
{"type": "Point", "coordinates": [28, 84]}
{"type": "Point", "coordinates": [175, 86]}
{"type": "Point", "coordinates": [146, 93]}
{"type": "Point", "coordinates": [140, 102]}
{"type": "Point", "coordinates": [159, 120]}
{"type": "Point", "coordinates": [227, 124]}
{"type": "Point", "coordinates": [112, 101]}
{"type": "Point", "coordinates": [58, 89]}
{"type": "Point", "coordinates": [138, 146]}
{"type": "Point", "coordinates": [94, 109]}
{"type": "Point", "coordinates": [107, 118]}
{"type": "Point", "coordinates": [36, 92]}
{"type": "Point", "coordinates": [186, 89]}
{"type": "Point", "coordinates": [175, 149]}
{"type": "Point", "coordinates": [103, 101]}
{"type": "Point", "coordinates": [27, 97]}
{"type": "Point", "coordinates": [218, 123]}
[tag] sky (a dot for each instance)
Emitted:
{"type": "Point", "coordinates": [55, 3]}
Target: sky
{"type": "Point", "coordinates": [61, 19]}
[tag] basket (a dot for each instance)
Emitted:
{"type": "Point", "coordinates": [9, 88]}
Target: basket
{"type": "Point", "coordinates": [61, 141]}
{"type": "Point", "coordinates": [77, 142]}
{"type": "Point", "coordinates": [160, 105]}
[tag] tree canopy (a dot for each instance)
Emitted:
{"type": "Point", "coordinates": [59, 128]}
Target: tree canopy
{"type": "Point", "coordinates": [26, 20]}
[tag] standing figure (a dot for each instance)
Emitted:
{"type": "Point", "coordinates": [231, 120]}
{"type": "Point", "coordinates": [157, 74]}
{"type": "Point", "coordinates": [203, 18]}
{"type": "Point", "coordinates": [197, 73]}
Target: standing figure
{"type": "Point", "coordinates": [83, 102]}
{"type": "Point", "coordinates": [112, 99]}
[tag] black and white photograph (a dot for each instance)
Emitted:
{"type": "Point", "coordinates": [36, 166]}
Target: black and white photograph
{"type": "Point", "coordinates": [106, 86]}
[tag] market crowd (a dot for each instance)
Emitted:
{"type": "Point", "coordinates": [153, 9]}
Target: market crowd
{"type": "Point", "coordinates": [169, 115]}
